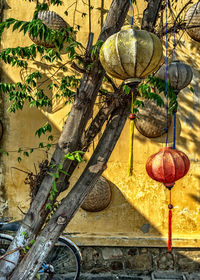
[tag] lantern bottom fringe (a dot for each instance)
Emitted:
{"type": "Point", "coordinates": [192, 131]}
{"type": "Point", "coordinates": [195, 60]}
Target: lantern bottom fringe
{"type": "Point", "coordinates": [170, 231]}
{"type": "Point", "coordinates": [130, 163]}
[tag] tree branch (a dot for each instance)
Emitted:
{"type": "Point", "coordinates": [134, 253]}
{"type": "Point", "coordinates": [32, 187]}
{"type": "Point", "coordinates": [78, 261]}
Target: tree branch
{"type": "Point", "coordinates": [150, 15]}
{"type": "Point", "coordinates": [94, 168]}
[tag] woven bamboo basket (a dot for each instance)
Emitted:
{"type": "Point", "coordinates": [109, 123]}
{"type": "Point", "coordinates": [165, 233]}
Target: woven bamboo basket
{"type": "Point", "coordinates": [53, 21]}
{"type": "Point", "coordinates": [99, 198]}
{"type": "Point", "coordinates": [192, 18]}
{"type": "Point", "coordinates": [151, 120]}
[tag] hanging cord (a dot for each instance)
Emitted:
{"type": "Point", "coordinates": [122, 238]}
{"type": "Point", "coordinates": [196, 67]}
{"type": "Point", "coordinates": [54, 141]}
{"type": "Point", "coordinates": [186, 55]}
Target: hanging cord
{"type": "Point", "coordinates": [132, 117]}
{"type": "Point", "coordinates": [170, 206]}
{"type": "Point", "coordinates": [174, 135]}
{"type": "Point", "coordinates": [174, 112]}
{"type": "Point", "coordinates": [167, 107]}
{"type": "Point", "coordinates": [131, 5]}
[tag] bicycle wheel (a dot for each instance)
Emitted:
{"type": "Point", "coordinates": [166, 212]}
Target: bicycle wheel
{"type": "Point", "coordinates": [5, 241]}
{"type": "Point", "coordinates": [65, 258]}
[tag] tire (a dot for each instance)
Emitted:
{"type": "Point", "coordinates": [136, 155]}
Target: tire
{"type": "Point", "coordinates": [65, 258]}
{"type": "Point", "coordinates": [5, 241]}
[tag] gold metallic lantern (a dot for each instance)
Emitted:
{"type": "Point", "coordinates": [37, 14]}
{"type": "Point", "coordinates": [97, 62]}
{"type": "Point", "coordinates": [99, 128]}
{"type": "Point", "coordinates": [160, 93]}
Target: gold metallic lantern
{"type": "Point", "coordinates": [131, 54]}
{"type": "Point", "coordinates": [192, 18]}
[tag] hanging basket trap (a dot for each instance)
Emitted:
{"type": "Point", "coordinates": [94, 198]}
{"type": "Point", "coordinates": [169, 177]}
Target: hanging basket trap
{"type": "Point", "coordinates": [192, 18]}
{"type": "Point", "coordinates": [99, 198]}
{"type": "Point", "coordinates": [151, 120]}
{"type": "Point", "coordinates": [53, 21]}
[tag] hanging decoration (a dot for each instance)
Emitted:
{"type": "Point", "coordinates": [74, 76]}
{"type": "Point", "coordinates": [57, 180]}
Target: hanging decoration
{"type": "Point", "coordinates": [151, 119]}
{"type": "Point", "coordinates": [53, 21]}
{"type": "Point", "coordinates": [132, 118]}
{"type": "Point", "coordinates": [131, 55]}
{"type": "Point", "coordinates": [192, 18]}
{"type": "Point", "coordinates": [99, 198]}
{"type": "Point", "coordinates": [179, 75]}
{"type": "Point", "coordinates": [167, 166]}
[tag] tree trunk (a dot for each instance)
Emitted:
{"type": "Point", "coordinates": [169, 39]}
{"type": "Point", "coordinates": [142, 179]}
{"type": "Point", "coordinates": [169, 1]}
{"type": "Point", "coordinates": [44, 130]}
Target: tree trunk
{"type": "Point", "coordinates": [150, 15]}
{"type": "Point", "coordinates": [69, 139]}
{"type": "Point", "coordinates": [96, 165]}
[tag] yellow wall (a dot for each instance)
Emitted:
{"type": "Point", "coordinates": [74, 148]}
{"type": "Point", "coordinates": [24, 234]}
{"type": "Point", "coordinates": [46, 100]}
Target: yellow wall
{"type": "Point", "coordinates": [138, 213]}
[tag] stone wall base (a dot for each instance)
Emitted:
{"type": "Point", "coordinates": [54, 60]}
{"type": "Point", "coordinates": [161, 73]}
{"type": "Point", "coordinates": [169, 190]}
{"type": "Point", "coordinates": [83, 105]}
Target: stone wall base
{"type": "Point", "coordinates": [128, 260]}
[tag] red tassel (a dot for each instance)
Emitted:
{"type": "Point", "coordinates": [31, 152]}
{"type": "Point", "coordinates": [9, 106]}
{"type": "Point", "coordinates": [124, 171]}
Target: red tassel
{"type": "Point", "coordinates": [170, 231]}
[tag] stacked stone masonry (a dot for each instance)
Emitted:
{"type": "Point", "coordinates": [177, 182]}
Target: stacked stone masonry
{"type": "Point", "coordinates": [128, 260]}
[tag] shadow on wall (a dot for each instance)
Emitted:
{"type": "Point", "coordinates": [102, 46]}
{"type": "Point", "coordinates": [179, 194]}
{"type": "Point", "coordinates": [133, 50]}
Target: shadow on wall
{"type": "Point", "coordinates": [127, 258]}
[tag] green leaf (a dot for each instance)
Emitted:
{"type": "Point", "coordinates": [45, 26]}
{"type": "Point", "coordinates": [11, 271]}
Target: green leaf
{"type": "Point", "coordinates": [26, 154]}
{"type": "Point", "coordinates": [69, 156]}
{"type": "Point", "coordinates": [54, 188]}
{"type": "Point", "coordinates": [41, 145]}
{"type": "Point", "coordinates": [25, 234]}
{"type": "Point", "coordinates": [19, 159]}
{"type": "Point", "coordinates": [48, 206]}
{"type": "Point", "coordinates": [64, 172]}
{"type": "Point", "coordinates": [38, 276]}
{"type": "Point", "coordinates": [126, 89]}
{"type": "Point", "coordinates": [191, 89]}
{"type": "Point", "coordinates": [32, 242]}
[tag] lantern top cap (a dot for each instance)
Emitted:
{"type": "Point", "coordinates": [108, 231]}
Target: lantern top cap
{"type": "Point", "coordinates": [166, 148]}
{"type": "Point", "coordinates": [126, 27]}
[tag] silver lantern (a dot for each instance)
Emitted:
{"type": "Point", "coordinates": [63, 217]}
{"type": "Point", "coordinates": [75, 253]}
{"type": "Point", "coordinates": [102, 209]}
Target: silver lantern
{"type": "Point", "coordinates": [179, 74]}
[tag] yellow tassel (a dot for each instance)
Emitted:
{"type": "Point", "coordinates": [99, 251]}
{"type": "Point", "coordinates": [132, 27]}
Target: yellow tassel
{"type": "Point", "coordinates": [130, 163]}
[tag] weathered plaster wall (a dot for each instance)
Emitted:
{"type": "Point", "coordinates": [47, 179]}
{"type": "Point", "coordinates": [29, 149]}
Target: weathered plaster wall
{"type": "Point", "coordinates": [3, 200]}
{"type": "Point", "coordinates": [138, 213]}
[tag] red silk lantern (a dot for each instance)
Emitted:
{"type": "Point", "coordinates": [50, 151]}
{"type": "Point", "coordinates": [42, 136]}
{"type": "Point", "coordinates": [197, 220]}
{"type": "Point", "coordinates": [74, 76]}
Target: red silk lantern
{"type": "Point", "coordinates": [167, 166]}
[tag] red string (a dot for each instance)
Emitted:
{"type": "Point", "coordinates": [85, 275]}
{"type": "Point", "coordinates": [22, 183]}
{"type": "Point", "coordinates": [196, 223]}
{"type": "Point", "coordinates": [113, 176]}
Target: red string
{"type": "Point", "coordinates": [170, 231]}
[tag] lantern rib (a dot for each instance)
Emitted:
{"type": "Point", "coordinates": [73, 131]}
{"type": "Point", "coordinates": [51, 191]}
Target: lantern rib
{"type": "Point", "coordinates": [177, 81]}
{"type": "Point", "coordinates": [150, 60]}
{"type": "Point", "coordinates": [163, 156]}
{"type": "Point", "coordinates": [136, 51]}
{"type": "Point", "coordinates": [158, 63]}
{"type": "Point", "coordinates": [118, 56]}
{"type": "Point", "coordinates": [174, 162]}
{"type": "Point", "coordinates": [181, 156]}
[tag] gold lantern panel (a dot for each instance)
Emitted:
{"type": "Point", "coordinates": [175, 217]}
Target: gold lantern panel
{"type": "Point", "coordinates": [179, 74]}
{"type": "Point", "coordinates": [131, 53]}
{"type": "Point", "coordinates": [53, 21]}
{"type": "Point", "coordinates": [192, 18]}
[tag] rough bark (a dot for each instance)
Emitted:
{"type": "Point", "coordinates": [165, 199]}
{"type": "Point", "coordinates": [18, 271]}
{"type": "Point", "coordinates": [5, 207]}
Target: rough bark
{"type": "Point", "coordinates": [71, 134]}
{"type": "Point", "coordinates": [150, 15]}
{"type": "Point", "coordinates": [96, 165]}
